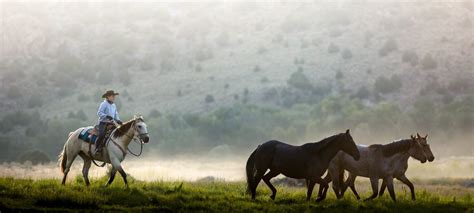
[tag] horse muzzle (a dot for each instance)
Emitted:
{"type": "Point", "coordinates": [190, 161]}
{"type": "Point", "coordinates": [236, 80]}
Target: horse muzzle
{"type": "Point", "coordinates": [431, 159]}
{"type": "Point", "coordinates": [145, 139]}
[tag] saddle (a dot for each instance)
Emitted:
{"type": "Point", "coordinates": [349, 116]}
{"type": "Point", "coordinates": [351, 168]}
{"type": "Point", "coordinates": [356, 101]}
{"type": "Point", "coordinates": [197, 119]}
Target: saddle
{"type": "Point", "coordinates": [91, 133]}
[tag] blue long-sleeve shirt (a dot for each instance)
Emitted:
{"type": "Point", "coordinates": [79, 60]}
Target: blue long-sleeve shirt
{"type": "Point", "coordinates": [107, 109]}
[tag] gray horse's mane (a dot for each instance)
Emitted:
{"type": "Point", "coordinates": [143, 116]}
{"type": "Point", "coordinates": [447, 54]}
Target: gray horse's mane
{"type": "Point", "coordinates": [125, 127]}
{"type": "Point", "coordinates": [316, 146]}
{"type": "Point", "coordinates": [394, 147]}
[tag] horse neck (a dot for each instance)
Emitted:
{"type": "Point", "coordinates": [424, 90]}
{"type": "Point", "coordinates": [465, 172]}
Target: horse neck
{"type": "Point", "coordinates": [330, 150]}
{"type": "Point", "coordinates": [401, 157]}
{"type": "Point", "coordinates": [125, 140]}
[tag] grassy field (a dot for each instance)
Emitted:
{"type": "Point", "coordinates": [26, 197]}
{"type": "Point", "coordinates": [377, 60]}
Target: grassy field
{"type": "Point", "coordinates": [48, 194]}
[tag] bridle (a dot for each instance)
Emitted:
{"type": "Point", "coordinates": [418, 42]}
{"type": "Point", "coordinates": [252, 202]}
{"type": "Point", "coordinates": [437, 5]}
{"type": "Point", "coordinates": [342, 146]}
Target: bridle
{"type": "Point", "coordinates": [136, 138]}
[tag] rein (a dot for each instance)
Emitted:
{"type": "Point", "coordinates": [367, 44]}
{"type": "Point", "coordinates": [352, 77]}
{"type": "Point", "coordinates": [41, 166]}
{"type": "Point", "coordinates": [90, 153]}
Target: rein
{"type": "Point", "coordinates": [124, 152]}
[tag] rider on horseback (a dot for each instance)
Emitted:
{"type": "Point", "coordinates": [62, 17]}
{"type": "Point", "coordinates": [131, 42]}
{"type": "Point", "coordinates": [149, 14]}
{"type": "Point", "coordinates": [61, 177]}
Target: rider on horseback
{"type": "Point", "coordinates": [107, 114]}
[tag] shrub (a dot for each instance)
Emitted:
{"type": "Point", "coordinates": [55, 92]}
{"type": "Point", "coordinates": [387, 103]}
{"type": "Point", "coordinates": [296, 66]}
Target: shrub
{"type": "Point", "coordinates": [82, 98]}
{"type": "Point", "coordinates": [124, 77]}
{"type": "Point", "coordinates": [428, 62]}
{"type": "Point", "coordinates": [299, 80]}
{"type": "Point", "coordinates": [410, 57]}
{"type": "Point", "coordinates": [333, 48]}
{"type": "Point", "coordinates": [339, 75]}
{"type": "Point", "coordinates": [81, 115]}
{"type": "Point", "coordinates": [389, 46]}
{"type": "Point", "coordinates": [346, 54]}
{"type": "Point", "coordinates": [256, 68]}
{"type": "Point", "coordinates": [226, 86]}
{"type": "Point", "coordinates": [264, 80]}
{"type": "Point", "coordinates": [14, 92]}
{"type": "Point", "coordinates": [209, 99]}
{"type": "Point", "coordinates": [362, 93]}
{"type": "Point", "coordinates": [35, 101]}
{"type": "Point", "coordinates": [384, 85]}
{"type": "Point", "coordinates": [154, 113]}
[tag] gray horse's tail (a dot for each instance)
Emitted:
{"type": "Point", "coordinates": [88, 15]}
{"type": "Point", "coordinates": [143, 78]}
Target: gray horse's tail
{"type": "Point", "coordinates": [250, 170]}
{"type": "Point", "coordinates": [63, 157]}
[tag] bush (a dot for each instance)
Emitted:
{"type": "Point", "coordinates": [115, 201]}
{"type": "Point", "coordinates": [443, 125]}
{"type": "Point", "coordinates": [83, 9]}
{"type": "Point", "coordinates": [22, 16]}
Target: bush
{"type": "Point", "coordinates": [256, 68]}
{"type": "Point", "coordinates": [299, 80]}
{"type": "Point", "coordinates": [154, 113]}
{"type": "Point", "coordinates": [34, 156]}
{"type": "Point", "coordinates": [339, 75]}
{"type": "Point", "coordinates": [333, 48]}
{"type": "Point", "coordinates": [428, 62]}
{"type": "Point", "coordinates": [410, 57]}
{"type": "Point", "coordinates": [82, 98]}
{"type": "Point", "coordinates": [264, 80]}
{"type": "Point", "coordinates": [35, 101]}
{"type": "Point", "coordinates": [389, 46]}
{"type": "Point", "coordinates": [124, 77]}
{"type": "Point", "coordinates": [384, 85]}
{"type": "Point", "coordinates": [346, 54]}
{"type": "Point", "coordinates": [14, 92]}
{"type": "Point", "coordinates": [209, 99]}
{"type": "Point", "coordinates": [362, 93]}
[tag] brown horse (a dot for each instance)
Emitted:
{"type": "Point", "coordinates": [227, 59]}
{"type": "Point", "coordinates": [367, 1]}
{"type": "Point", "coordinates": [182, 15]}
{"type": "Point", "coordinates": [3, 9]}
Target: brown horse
{"type": "Point", "coordinates": [308, 161]}
{"type": "Point", "coordinates": [377, 162]}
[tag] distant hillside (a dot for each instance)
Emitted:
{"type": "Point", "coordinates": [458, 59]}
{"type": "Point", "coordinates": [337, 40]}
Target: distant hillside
{"type": "Point", "coordinates": [169, 57]}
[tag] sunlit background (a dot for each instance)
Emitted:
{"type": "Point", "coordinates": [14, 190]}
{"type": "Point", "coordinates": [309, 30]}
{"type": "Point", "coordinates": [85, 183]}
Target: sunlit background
{"type": "Point", "coordinates": [215, 79]}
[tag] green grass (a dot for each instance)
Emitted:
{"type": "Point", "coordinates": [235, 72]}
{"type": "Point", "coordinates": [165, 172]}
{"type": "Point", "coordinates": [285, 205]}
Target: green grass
{"type": "Point", "coordinates": [23, 194]}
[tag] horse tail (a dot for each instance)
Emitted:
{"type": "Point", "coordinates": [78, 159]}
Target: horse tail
{"type": "Point", "coordinates": [63, 158]}
{"type": "Point", "coordinates": [250, 170]}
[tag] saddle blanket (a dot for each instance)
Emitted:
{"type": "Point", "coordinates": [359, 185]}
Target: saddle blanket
{"type": "Point", "coordinates": [86, 136]}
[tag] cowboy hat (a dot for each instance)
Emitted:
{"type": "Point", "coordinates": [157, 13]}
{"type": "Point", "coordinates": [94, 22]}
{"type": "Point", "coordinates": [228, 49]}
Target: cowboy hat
{"type": "Point", "coordinates": [109, 93]}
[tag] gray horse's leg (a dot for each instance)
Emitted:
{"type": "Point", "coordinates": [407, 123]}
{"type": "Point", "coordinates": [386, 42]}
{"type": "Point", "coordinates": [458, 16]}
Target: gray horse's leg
{"type": "Point", "coordinates": [374, 182]}
{"type": "Point", "coordinates": [85, 171]}
{"type": "Point", "coordinates": [266, 178]}
{"type": "Point", "coordinates": [405, 180]}
{"type": "Point", "coordinates": [112, 176]}
{"type": "Point", "coordinates": [70, 160]}
{"type": "Point", "coordinates": [390, 187]}
{"type": "Point", "coordinates": [323, 190]}
{"type": "Point", "coordinates": [351, 183]}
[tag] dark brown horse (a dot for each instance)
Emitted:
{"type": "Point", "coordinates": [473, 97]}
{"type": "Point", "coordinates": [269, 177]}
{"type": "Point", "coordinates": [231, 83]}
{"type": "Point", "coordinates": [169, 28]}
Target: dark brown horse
{"type": "Point", "coordinates": [308, 161]}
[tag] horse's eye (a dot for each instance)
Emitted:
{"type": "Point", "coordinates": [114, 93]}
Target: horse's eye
{"type": "Point", "coordinates": [139, 127]}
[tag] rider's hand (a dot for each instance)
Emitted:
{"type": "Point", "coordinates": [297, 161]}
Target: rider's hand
{"type": "Point", "coordinates": [119, 122]}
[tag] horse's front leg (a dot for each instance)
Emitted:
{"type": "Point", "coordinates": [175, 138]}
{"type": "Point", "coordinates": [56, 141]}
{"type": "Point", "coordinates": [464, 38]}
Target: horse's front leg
{"type": "Point", "coordinates": [322, 183]}
{"type": "Point", "coordinates": [116, 164]}
{"type": "Point", "coordinates": [405, 180]}
{"type": "Point", "coordinates": [310, 186]}
{"type": "Point", "coordinates": [323, 190]}
{"type": "Point", "coordinates": [374, 182]}
{"type": "Point", "coordinates": [112, 176]}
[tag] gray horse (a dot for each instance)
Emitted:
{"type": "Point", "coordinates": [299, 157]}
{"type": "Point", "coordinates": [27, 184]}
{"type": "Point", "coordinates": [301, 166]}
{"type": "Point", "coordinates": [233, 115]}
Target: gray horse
{"type": "Point", "coordinates": [377, 162]}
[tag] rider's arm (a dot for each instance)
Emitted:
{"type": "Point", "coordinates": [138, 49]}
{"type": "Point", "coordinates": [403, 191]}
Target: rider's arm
{"type": "Point", "coordinates": [101, 112]}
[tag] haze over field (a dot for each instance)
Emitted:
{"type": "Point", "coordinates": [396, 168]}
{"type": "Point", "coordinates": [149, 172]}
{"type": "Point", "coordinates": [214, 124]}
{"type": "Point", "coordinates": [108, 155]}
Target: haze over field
{"type": "Point", "coordinates": [215, 79]}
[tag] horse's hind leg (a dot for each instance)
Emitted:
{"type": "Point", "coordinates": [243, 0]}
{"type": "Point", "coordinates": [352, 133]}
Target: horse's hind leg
{"type": "Point", "coordinates": [390, 188]}
{"type": "Point", "coordinates": [405, 180]}
{"type": "Point", "coordinates": [266, 178]}
{"type": "Point", "coordinates": [85, 168]}
{"type": "Point", "coordinates": [382, 188]}
{"type": "Point", "coordinates": [352, 185]}
{"type": "Point", "coordinates": [323, 190]}
{"type": "Point", "coordinates": [69, 162]}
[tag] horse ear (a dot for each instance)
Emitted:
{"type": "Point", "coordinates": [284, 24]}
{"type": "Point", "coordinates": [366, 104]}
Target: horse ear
{"type": "Point", "coordinates": [412, 137]}
{"type": "Point", "coordinates": [347, 131]}
{"type": "Point", "coordinates": [426, 136]}
{"type": "Point", "coordinates": [418, 135]}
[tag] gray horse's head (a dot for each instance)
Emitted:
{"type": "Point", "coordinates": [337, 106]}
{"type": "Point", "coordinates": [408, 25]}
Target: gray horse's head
{"type": "Point", "coordinates": [349, 145]}
{"type": "Point", "coordinates": [426, 147]}
{"type": "Point", "coordinates": [141, 129]}
{"type": "Point", "coordinates": [416, 150]}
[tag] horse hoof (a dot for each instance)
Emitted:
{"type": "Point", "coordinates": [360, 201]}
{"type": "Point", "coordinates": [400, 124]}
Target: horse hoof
{"type": "Point", "coordinates": [272, 197]}
{"type": "Point", "coordinates": [319, 199]}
